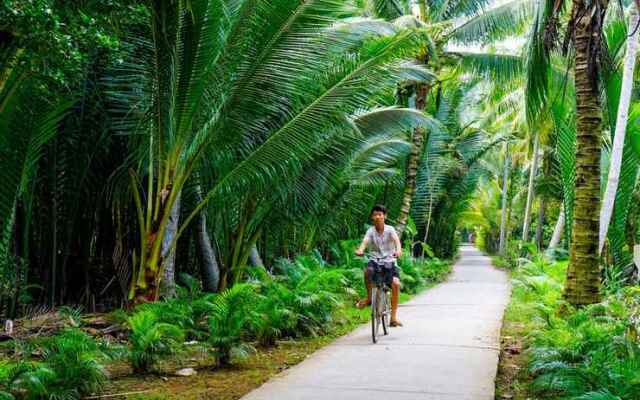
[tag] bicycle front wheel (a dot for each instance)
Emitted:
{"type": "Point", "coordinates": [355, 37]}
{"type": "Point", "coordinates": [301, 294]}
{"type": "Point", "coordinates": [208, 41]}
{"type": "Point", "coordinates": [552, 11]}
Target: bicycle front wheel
{"type": "Point", "coordinates": [374, 314]}
{"type": "Point", "coordinates": [383, 307]}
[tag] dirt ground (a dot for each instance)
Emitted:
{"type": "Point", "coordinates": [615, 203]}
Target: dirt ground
{"type": "Point", "coordinates": [211, 382]}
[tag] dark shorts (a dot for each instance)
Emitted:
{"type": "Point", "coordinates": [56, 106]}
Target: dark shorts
{"type": "Point", "coordinates": [382, 271]}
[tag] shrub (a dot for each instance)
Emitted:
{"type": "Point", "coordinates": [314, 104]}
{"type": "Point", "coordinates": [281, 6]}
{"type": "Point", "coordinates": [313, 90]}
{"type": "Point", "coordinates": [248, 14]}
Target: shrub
{"type": "Point", "coordinates": [76, 359]}
{"type": "Point", "coordinates": [71, 368]}
{"type": "Point", "coordinates": [188, 310]}
{"type": "Point", "coordinates": [275, 317]}
{"type": "Point", "coordinates": [25, 380]}
{"type": "Point", "coordinates": [415, 273]}
{"type": "Point", "coordinates": [150, 338]}
{"type": "Point", "coordinates": [231, 317]}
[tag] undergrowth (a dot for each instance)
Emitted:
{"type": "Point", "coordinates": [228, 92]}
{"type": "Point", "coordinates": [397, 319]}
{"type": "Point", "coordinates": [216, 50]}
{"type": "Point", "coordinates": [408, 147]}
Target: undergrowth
{"type": "Point", "coordinates": [590, 353]}
{"type": "Point", "coordinates": [298, 298]}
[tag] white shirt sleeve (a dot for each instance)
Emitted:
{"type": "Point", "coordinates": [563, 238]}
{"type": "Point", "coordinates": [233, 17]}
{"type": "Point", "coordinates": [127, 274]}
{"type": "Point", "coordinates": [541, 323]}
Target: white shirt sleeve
{"type": "Point", "coordinates": [369, 235]}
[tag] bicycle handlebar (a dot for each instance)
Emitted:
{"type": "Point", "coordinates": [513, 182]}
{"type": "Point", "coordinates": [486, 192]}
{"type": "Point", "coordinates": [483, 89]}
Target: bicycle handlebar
{"type": "Point", "coordinates": [370, 257]}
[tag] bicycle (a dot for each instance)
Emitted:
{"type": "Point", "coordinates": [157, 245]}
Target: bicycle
{"type": "Point", "coordinates": [380, 294]}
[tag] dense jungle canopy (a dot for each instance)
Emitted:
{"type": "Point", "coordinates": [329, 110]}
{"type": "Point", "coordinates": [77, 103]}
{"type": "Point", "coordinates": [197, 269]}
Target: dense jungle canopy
{"type": "Point", "coordinates": [174, 161]}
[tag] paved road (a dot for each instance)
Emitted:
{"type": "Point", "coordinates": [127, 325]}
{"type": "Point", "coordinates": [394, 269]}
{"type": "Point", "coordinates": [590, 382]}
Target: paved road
{"type": "Point", "coordinates": [448, 348]}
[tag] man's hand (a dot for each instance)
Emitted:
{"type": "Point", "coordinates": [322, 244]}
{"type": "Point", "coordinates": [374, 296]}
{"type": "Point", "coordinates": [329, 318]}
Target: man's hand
{"type": "Point", "coordinates": [359, 252]}
{"type": "Point", "coordinates": [397, 254]}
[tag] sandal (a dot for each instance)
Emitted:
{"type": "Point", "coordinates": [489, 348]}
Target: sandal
{"type": "Point", "coordinates": [395, 324]}
{"type": "Point", "coordinates": [363, 303]}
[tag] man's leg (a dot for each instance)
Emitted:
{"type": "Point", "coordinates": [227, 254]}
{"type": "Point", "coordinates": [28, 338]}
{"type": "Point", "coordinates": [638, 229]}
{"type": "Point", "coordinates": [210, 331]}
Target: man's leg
{"type": "Point", "coordinates": [368, 285]}
{"type": "Point", "coordinates": [395, 292]}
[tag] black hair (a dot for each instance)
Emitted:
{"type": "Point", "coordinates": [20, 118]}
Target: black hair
{"type": "Point", "coordinates": [379, 207]}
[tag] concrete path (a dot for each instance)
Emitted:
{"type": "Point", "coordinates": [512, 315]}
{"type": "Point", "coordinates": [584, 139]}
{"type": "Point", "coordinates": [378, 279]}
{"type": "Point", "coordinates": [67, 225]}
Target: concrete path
{"type": "Point", "coordinates": [448, 348]}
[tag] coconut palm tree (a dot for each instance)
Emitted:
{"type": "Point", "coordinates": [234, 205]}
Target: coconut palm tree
{"type": "Point", "coordinates": [253, 87]}
{"type": "Point", "coordinates": [585, 30]}
{"type": "Point", "coordinates": [451, 25]}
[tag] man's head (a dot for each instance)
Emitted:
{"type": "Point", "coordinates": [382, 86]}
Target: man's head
{"type": "Point", "coordinates": [378, 214]}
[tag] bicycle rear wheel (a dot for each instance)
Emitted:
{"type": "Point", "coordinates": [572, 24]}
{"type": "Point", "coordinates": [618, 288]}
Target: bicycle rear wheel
{"type": "Point", "coordinates": [374, 312]}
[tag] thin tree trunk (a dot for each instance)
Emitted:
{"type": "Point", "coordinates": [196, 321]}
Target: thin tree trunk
{"type": "Point", "coordinates": [207, 258]}
{"type": "Point", "coordinates": [54, 220]}
{"type": "Point", "coordinates": [583, 273]}
{"type": "Point", "coordinates": [254, 257]}
{"type": "Point", "coordinates": [540, 226]}
{"type": "Point", "coordinates": [621, 126]}
{"type": "Point", "coordinates": [168, 283]}
{"type": "Point", "coordinates": [503, 213]}
{"type": "Point", "coordinates": [413, 162]}
{"type": "Point", "coordinates": [530, 189]}
{"type": "Point", "coordinates": [426, 231]}
{"type": "Point", "coordinates": [557, 231]}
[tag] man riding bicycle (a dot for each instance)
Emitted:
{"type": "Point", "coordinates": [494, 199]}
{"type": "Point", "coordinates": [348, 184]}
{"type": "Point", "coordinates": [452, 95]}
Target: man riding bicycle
{"type": "Point", "coordinates": [384, 246]}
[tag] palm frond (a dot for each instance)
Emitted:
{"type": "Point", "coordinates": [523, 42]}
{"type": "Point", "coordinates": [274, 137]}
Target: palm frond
{"type": "Point", "coordinates": [342, 90]}
{"type": "Point", "coordinates": [627, 184]}
{"type": "Point", "coordinates": [494, 24]}
{"type": "Point", "coordinates": [496, 67]}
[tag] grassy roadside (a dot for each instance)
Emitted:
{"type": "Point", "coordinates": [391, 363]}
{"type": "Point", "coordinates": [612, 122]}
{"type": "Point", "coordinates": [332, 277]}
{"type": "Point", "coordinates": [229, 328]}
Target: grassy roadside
{"type": "Point", "coordinates": [233, 382]}
{"type": "Point", "coordinates": [233, 340]}
{"type": "Point", "coordinates": [551, 350]}
{"type": "Point", "coordinates": [512, 379]}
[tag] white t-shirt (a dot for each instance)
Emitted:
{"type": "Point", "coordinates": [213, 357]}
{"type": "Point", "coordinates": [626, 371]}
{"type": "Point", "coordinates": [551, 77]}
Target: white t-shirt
{"type": "Point", "coordinates": [382, 246]}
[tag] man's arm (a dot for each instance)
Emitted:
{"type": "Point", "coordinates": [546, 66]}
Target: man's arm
{"type": "Point", "coordinates": [363, 245]}
{"type": "Point", "coordinates": [396, 241]}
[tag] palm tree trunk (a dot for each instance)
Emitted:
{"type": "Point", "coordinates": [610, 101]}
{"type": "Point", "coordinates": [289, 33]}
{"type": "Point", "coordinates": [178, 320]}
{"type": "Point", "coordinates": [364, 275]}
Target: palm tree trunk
{"type": "Point", "coordinates": [413, 161]}
{"type": "Point", "coordinates": [209, 268]}
{"type": "Point", "coordinates": [621, 125]}
{"type": "Point", "coordinates": [583, 273]}
{"type": "Point", "coordinates": [530, 188]}
{"type": "Point", "coordinates": [168, 283]}
{"type": "Point", "coordinates": [503, 213]}
{"type": "Point", "coordinates": [557, 231]}
{"type": "Point", "coordinates": [417, 139]}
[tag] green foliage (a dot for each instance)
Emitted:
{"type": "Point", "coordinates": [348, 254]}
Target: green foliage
{"type": "Point", "coordinates": [415, 273]}
{"type": "Point", "coordinates": [150, 339]}
{"type": "Point", "coordinates": [76, 358]}
{"type": "Point", "coordinates": [25, 380]}
{"type": "Point", "coordinates": [58, 37]}
{"type": "Point", "coordinates": [590, 353]}
{"type": "Point", "coordinates": [71, 368]}
{"type": "Point", "coordinates": [231, 316]}
{"type": "Point", "coordinates": [276, 317]}
{"type": "Point", "coordinates": [621, 252]}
